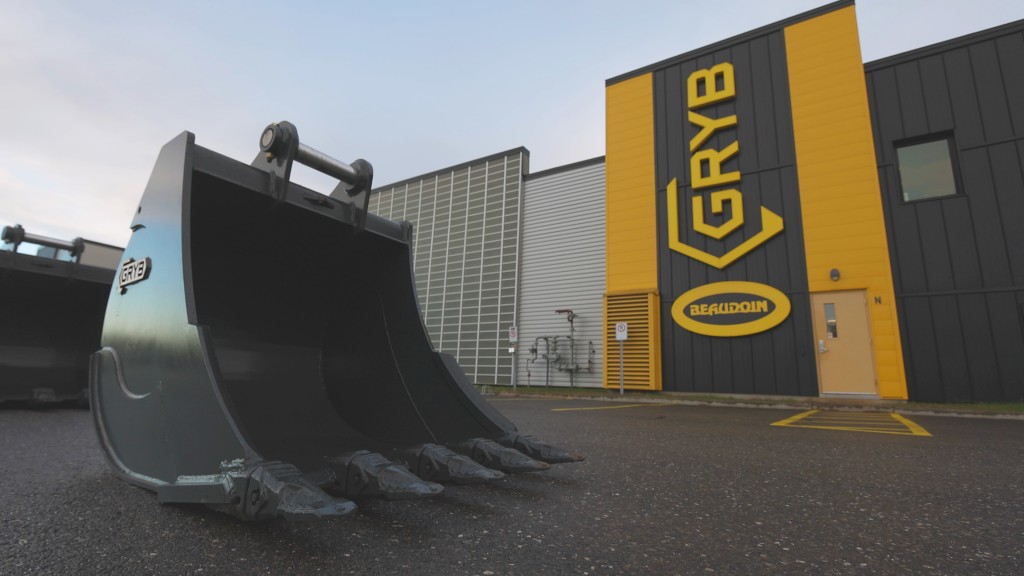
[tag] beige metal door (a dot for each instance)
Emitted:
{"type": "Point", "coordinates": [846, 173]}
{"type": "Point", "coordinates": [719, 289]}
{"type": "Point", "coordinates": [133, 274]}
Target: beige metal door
{"type": "Point", "coordinates": [842, 338]}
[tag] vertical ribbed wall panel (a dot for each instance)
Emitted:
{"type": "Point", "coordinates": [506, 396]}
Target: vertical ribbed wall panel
{"type": "Point", "coordinates": [958, 261]}
{"type": "Point", "coordinates": [465, 256]}
{"type": "Point", "coordinates": [563, 267]}
{"type": "Point", "coordinates": [633, 363]}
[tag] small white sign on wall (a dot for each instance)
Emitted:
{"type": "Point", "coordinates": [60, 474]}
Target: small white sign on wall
{"type": "Point", "coordinates": [622, 331]}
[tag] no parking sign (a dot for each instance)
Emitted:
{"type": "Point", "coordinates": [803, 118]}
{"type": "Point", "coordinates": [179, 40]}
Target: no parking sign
{"type": "Point", "coordinates": [621, 334]}
{"type": "Point", "coordinates": [622, 331]}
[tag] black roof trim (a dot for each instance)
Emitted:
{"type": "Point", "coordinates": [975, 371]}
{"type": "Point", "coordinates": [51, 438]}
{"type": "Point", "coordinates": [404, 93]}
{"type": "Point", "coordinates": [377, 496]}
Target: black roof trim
{"type": "Point", "coordinates": [945, 45]}
{"type": "Point", "coordinates": [566, 167]}
{"type": "Point", "coordinates": [745, 37]}
{"type": "Point", "coordinates": [460, 166]}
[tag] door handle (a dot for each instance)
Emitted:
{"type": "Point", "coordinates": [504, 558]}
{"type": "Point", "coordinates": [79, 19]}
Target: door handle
{"type": "Point", "coordinates": [821, 347]}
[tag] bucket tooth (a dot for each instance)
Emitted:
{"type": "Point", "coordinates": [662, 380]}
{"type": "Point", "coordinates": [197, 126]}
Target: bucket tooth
{"type": "Point", "coordinates": [258, 491]}
{"type": "Point", "coordinates": [278, 489]}
{"type": "Point", "coordinates": [439, 464]}
{"type": "Point", "coordinates": [494, 455]}
{"type": "Point", "coordinates": [365, 473]}
{"type": "Point", "coordinates": [539, 450]}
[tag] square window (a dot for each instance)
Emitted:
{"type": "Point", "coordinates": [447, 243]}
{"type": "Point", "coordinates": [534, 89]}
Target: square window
{"type": "Point", "coordinates": [926, 169]}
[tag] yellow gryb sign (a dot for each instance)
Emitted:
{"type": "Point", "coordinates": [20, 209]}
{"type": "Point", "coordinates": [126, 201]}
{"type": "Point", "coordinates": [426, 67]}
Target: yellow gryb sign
{"type": "Point", "coordinates": [719, 85]}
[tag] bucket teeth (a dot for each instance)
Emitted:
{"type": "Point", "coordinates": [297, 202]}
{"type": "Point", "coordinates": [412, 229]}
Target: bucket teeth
{"type": "Point", "coordinates": [278, 489]}
{"type": "Point", "coordinates": [539, 450]}
{"type": "Point", "coordinates": [494, 455]}
{"type": "Point", "coordinates": [439, 464]}
{"type": "Point", "coordinates": [365, 473]}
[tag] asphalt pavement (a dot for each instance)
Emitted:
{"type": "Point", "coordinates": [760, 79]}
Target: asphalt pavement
{"type": "Point", "coordinates": [666, 489]}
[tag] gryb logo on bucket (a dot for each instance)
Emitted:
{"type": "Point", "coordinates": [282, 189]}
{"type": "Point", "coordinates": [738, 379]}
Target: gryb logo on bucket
{"type": "Point", "coordinates": [725, 309]}
{"type": "Point", "coordinates": [704, 88]}
{"type": "Point", "coordinates": [132, 272]}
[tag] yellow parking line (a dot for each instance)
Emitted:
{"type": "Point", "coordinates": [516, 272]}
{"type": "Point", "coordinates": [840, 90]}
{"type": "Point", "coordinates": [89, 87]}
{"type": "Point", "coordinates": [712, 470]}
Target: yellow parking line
{"type": "Point", "coordinates": [887, 421]}
{"type": "Point", "coordinates": [854, 417]}
{"type": "Point", "coordinates": [856, 429]}
{"type": "Point", "coordinates": [885, 418]}
{"type": "Point", "coordinates": [604, 407]}
{"type": "Point", "coordinates": [915, 428]}
{"type": "Point", "coordinates": [890, 423]}
{"type": "Point", "coordinates": [792, 419]}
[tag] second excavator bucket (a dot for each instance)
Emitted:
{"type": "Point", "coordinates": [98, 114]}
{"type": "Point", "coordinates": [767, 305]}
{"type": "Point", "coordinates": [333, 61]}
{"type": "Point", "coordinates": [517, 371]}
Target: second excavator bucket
{"type": "Point", "coordinates": [51, 313]}
{"type": "Point", "coordinates": [263, 351]}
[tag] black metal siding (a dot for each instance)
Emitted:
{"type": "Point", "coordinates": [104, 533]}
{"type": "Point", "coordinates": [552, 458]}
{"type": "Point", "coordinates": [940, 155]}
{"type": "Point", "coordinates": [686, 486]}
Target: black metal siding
{"type": "Point", "coordinates": [779, 361]}
{"type": "Point", "coordinates": [958, 261]}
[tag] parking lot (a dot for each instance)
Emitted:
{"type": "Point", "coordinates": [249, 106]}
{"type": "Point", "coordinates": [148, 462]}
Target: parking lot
{"type": "Point", "coordinates": [666, 489]}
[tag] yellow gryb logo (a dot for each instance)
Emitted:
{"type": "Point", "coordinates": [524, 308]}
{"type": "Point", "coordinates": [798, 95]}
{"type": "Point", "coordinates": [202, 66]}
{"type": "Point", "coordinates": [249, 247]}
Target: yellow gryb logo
{"type": "Point", "coordinates": [718, 84]}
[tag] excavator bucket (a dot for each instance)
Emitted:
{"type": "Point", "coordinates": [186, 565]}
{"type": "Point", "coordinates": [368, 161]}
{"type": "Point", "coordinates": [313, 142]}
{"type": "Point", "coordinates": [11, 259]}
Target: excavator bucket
{"type": "Point", "coordinates": [263, 351]}
{"type": "Point", "coordinates": [51, 314]}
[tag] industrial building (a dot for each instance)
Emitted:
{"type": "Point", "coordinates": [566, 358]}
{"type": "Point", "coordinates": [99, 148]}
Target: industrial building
{"type": "Point", "coordinates": [772, 217]}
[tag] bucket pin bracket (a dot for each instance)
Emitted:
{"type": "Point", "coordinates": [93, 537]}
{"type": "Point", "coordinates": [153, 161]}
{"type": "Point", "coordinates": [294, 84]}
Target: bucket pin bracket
{"type": "Point", "coordinates": [280, 147]}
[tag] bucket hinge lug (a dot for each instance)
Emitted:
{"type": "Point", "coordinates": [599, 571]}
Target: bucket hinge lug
{"type": "Point", "coordinates": [280, 148]}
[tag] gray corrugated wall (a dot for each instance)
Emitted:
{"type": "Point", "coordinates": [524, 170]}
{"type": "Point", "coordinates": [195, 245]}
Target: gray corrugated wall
{"type": "Point", "coordinates": [958, 261]}
{"type": "Point", "coordinates": [563, 267]}
{"type": "Point", "coordinates": [465, 256]}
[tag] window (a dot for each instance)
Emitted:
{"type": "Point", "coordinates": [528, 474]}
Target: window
{"type": "Point", "coordinates": [831, 328]}
{"type": "Point", "coordinates": [926, 169]}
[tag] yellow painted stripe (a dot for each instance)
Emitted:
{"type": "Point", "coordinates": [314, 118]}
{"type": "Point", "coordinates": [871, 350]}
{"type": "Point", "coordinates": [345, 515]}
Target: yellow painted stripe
{"type": "Point", "coordinates": [883, 418]}
{"type": "Point", "coordinates": [790, 420]}
{"type": "Point", "coordinates": [837, 172]}
{"type": "Point", "coordinates": [851, 429]}
{"type": "Point", "coordinates": [607, 407]}
{"type": "Point", "coordinates": [847, 423]}
{"type": "Point", "coordinates": [871, 423]}
{"type": "Point", "coordinates": [914, 427]}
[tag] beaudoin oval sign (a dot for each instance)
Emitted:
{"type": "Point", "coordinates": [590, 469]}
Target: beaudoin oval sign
{"type": "Point", "coordinates": [731, 309]}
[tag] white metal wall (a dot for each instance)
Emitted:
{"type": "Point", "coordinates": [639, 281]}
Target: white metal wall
{"type": "Point", "coordinates": [562, 267]}
{"type": "Point", "coordinates": [466, 253]}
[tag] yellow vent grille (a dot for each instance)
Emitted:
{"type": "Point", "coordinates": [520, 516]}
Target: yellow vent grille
{"type": "Point", "coordinates": [642, 351]}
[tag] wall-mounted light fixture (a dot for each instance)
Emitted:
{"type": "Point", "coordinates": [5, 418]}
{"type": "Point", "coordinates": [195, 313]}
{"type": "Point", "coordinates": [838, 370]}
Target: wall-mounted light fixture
{"type": "Point", "coordinates": [834, 274]}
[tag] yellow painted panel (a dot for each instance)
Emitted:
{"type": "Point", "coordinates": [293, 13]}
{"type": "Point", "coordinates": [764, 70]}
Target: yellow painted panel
{"type": "Point", "coordinates": [641, 365]}
{"type": "Point", "coordinates": [631, 219]}
{"type": "Point", "coordinates": [631, 257]}
{"type": "Point", "coordinates": [837, 172]}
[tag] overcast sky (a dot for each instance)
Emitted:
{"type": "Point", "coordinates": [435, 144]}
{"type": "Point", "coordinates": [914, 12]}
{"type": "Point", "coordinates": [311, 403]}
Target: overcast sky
{"type": "Point", "coordinates": [91, 90]}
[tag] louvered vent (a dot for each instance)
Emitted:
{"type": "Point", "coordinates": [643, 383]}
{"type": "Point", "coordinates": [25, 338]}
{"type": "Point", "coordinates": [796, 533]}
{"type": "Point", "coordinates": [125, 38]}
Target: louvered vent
{"type": "Point", "coordinates": [641, 352]}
